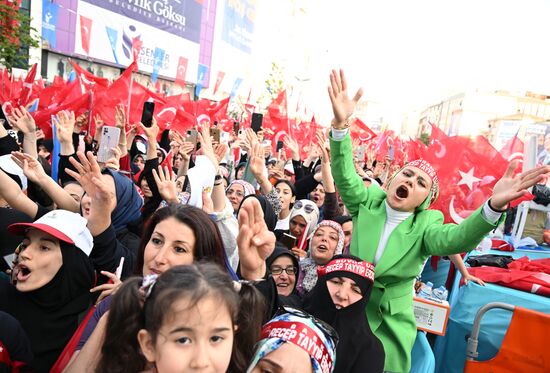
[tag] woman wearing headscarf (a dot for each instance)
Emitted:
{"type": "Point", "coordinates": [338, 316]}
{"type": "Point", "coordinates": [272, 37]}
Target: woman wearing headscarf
{"type": "Point", "coordinates": [395, 231]}
{"type": "Point", "coordinates": [51, 281]}
{"type": "Point", "coordinates": [302, 219]}
{"type": "Point", "coordinates": [326, 241]}
{"type": "Point", "coordinates": [339, 298]}
{"type": "Point", "coordinates": [283, 266]}
{"type": "Point", "coordinates": [294, 341]}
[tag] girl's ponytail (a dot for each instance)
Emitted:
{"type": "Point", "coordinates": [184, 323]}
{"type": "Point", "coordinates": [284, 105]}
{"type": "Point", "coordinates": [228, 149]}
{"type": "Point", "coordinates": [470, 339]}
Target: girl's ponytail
{"type": "Point", "coordinates": [120, 349]}
{"type": "Point", "coordinates": [250, 318]}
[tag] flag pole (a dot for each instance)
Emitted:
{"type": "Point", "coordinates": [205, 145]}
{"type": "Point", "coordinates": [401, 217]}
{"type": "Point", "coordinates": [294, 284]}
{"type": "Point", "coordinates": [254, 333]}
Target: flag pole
{"type": "Point", "coordinates": [130, 95]}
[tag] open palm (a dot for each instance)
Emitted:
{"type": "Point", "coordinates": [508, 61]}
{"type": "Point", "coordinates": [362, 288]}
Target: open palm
{"type": "Point", "coordinates": [342, 105]}
{"type": "Point", "coordinates": [512, 186]}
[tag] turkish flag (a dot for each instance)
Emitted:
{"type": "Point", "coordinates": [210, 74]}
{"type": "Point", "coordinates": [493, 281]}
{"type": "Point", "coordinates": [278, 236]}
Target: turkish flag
{"type": "Point", "coordinates": [85, 33]}
{"type": "Point", "coordinates": [180, 73]}
{"type": "Point", "coordinates": [137, 43]}
{"type": "Point", "coordinates": [467, 170]}
{"type": "Point", "coordinates": [513, 150]}
{"type": "Point", "coordinates": [278, 114]}
{"type": "Point", "coordinates": [27, 86]}
{"type": "Point", "coordinates": [383, 145]}
{"type": "Point", "coordinates": [361, 132]}
{"type": "Point", "coordinates": [168, 163]}
{"type": "Point", "coordinates": [219, 80]}
{"type": "Point", "coordinates": [88, 78]}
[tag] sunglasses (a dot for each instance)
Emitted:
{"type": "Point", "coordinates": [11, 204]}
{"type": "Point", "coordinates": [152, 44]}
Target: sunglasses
{"type": "Point", "coordinates": [326, 328]}
{"type": "Point", "coordinates": [276, 270]}
{"type": "Point", "coordinates": [307, 207]}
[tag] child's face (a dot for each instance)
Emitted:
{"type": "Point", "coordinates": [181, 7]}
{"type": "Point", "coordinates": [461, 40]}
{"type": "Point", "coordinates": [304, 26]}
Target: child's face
{"type": "Point", "coordinates": [197, 338]}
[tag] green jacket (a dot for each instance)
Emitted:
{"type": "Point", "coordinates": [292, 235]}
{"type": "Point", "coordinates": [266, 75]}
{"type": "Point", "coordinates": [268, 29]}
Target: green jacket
{"type": "Point", "coordinates": [389, 310]}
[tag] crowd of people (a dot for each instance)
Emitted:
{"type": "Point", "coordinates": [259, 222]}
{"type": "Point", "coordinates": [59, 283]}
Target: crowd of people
{"type": "Point", "coordinates": [172, 257]}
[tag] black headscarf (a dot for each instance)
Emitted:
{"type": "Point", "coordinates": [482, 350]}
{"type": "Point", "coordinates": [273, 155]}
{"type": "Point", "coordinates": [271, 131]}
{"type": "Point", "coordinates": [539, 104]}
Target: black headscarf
{"type": "Point", "coordinates": [49, 315]}
{"type": "Point", "coordinates": [294, 299]}
{"type": "Point", "coordinates": [358, 350]}
{"type": "Point", "coordinates": [270, 217]}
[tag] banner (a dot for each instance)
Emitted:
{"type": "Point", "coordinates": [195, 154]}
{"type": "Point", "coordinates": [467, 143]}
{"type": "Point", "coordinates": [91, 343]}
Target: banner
{"type": "Point", "coordinates": [50, 13]}
{"type": "Point", "coordinates": [159, 59]}
{"type": "Point", "coordinates": [141, 27]}
{"type": "Point", "coordinates": [238, 24]}
{"type": "Point", "coordinates": [176, 17]}
{"type": "Point", "coordinates": [182, 69]}
{"type": "Point", "coordinates": [201, 74]}
{"type": "Point", "coordinates": [85, 33]}
{"type": "Point", "coordinates": [219, 80]}
{"type": "Point", "coordinates": [235, 87]}
{"type": "Point", "coordinates": [112, 34]}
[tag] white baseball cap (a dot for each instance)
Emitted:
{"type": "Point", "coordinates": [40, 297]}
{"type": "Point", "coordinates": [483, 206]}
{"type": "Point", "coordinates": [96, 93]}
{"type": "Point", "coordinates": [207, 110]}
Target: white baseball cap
{"type": "Point", "coordinates": [63, 225]}
{"type": "Point", "coordinates": [8, 165]}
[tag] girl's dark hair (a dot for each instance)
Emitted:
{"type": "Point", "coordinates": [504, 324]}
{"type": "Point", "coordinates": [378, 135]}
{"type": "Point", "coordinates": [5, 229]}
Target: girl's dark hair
{"type": "Point", "coordinates": [208, 241]}
{"type": "Point", "coordinates": [290, 185]}
{"type": "Point", "coordinates": [130, 312]}
{"type": "Point", "coordinates": [292, 189]}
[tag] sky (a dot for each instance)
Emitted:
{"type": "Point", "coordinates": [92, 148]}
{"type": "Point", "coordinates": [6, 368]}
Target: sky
{"type": "Point", "coordinates": [408, 54]}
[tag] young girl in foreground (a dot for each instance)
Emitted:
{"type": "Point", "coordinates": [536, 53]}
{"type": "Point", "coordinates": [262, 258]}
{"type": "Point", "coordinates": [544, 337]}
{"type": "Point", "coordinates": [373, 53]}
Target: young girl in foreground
{"type": "Point", "coordinates": [180, 321]}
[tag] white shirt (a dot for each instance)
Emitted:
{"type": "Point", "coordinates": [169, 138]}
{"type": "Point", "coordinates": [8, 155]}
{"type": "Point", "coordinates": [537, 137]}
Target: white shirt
{"type": "Point", "coordinates": [393, 219]}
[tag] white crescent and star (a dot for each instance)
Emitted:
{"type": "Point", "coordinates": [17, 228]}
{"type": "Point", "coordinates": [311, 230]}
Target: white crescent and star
{"type": "Point", "coordinates": [454, 215]}
{"type": "Point", "coordinates": [167, 109]}
{"type": "Point", "coordinates": [203, 117]}
{"type": "Point", "coordinates": [442, 149]}
{"type": "Point", "coordinates": [468, 178]}
{"type": "Point", "coordinates": [516, 155]}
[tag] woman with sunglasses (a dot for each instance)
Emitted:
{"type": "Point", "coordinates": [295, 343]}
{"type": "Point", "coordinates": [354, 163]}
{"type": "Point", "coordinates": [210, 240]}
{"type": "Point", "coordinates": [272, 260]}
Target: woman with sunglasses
{"type": "Point", "coordinates": [295, 342]}
{"type": "Point", "coordinates": [396, 231]}
{"type": "Point", "coordinates": [304, 216]}
{"type": "Point", "coordinates": [339, 298]}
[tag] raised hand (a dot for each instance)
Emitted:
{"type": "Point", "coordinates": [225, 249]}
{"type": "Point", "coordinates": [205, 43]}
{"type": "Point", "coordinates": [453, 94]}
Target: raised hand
{"type": "Point", "coordinates": [185, 149]}
{"type": "Point", "coordinates": [32, 169]}
{"type": "Point", "coordinates": [22, 120]}
{"type": "Point", "coordinates": [114, 163]}
{"type": "Point", "coordinates": [65, 126]}
{"type": "Point", "coordinates": [512, 186]}
{"type": "Point", "coordinates": [206, 145]}
{"type": "Point", "coordinates": [88, 174]}
{"type": "Point", "coordinates": [108, 288]}
{"type": "Point", "coordinates": [166, 184]}
{"type": "Point", "coordinates": [322, 144]}
{"type": "Point", "coordinates": [257, 161]}
{"type": "Point", "coordinates": [291, 144]}
{"type": "Point", "coordinates": [220, 150]}
{"type": "Point", "coordinates": [120, 118]}
{"type": "Point", "coordinates": [342, 105]}
{"type": "Point", "coordinates": [151, 132]}
{"type": "Point", "coordinates": [80, 122]}
{"type": "Point", "coordinates": [255, 241]}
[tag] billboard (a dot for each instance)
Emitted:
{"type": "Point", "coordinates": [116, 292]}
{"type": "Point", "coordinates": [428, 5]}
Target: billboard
{"type": "Point", "coordinates": [164, 31]}
{"type": "Point", "coordinates": [238, 23]}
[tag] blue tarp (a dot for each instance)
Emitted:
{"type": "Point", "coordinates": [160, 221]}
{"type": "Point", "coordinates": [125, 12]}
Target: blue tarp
{"type": "Point", "coordinates": [450, 350]}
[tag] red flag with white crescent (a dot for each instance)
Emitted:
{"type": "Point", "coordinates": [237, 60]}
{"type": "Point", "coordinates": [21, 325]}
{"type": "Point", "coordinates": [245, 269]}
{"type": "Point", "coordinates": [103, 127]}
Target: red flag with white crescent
{"type": "Point", "coordinates": [85, 33]}
{"type": "Point", "coordinates": [181, 71]}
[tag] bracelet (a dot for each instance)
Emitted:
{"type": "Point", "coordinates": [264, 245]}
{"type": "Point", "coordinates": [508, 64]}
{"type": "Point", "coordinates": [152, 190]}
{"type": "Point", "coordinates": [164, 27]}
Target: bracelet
{"type": "Point", "coordinates": [217, 184]}
{"type": "Point", "coordinates": [494, 209]}
{"type": "Point", "coordinates": [346, 124]}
